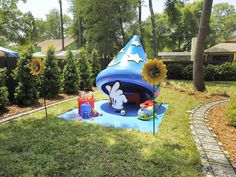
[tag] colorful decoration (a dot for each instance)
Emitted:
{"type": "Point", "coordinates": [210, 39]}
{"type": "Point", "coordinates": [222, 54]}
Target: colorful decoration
{"type": "Point", "coordinates": [146, 110]}
{"type": "Point", "coordinates": [37, 66]}
{"type": "Point", "coordinates": [126, 69]}
{"type": "Point", "coordinates": [154, 71]}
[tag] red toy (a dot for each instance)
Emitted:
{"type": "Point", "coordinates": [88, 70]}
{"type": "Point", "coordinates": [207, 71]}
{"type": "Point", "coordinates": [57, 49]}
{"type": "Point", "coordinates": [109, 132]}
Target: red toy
{"type": "Point", "coordinates": [90, 101]}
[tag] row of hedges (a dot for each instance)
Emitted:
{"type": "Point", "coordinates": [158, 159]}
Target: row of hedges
{"type": "Point", "coordinates": [224, 72]}
{"type": "Point", "coordinates": [77, 74]}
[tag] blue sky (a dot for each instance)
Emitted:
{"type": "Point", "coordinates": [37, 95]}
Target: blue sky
{"type": "Point", "coordinates": [40, 8]}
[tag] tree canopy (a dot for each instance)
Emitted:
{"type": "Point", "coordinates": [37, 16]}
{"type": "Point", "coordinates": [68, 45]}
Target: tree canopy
{"type": "Point", "coordinates": [107, 26]}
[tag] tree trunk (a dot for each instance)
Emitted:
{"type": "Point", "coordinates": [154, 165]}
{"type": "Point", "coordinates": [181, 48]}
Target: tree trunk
{"type": "Point", "coordinates": [154, 29]}
{"type": "Point", "coordinates": [122, 27]}
{"type": "Point", "coordinates": [198, 73]}
{"type": "Point", "coordinates": [140, 22]}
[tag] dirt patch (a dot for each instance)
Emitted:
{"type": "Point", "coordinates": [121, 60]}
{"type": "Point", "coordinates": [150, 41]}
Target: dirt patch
{"type": "Point", "coordinates": [202, 96]}
{"type": "Point", "coordinates": [15, 109]}
{"type": "Point", "coordinates": [225, 132]}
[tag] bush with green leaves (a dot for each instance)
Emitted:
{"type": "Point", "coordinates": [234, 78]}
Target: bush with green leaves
{"type": "Point", "coordinates": [96, 65]}
{"type": "Point", "coordinates": [223, 72]}
{"type": "Point", "coordinates": [231, 112]}
{"type": "Point", "coordinates": [187, 72]}
{"type": "Point", "coordinates": [174, 71]}
{"type": "Point", "coordinates": [71, 77]}
{"type": "Point", "coordinates": [26, 92]}
{"type": "Point", "coordinates": [51, 78]}
{"type": "Point", "coordinates": [227, 71]}
{"type": "Point", "coordinates": [85, 71]}
{"type": "Point", "coordinates": [3, 90]}
{"type": "Point", "coordinates": [211, 72]}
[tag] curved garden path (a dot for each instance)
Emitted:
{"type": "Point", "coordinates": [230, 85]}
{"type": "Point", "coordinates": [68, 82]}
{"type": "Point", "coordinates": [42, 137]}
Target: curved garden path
{"type": "Point", "coordinates": [215, 161]}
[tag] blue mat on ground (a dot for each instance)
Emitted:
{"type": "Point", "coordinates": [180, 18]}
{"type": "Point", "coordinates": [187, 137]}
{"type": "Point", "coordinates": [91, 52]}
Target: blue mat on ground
{"type": "Point", "coordinates": [111, 118]}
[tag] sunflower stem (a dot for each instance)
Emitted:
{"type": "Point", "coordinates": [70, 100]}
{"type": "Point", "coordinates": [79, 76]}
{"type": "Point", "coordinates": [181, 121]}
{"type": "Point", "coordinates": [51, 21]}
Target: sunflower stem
{"type": "Point", "coordinates": [44, 102]}
{"type": "Point", "coordinates": [153, 112]}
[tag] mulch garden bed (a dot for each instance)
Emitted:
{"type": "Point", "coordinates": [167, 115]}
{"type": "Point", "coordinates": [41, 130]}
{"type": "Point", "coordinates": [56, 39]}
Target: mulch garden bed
{"type": "Point", "coordinates": [15, 109]}
{"type": "Point", "coordinates": [225, 132]}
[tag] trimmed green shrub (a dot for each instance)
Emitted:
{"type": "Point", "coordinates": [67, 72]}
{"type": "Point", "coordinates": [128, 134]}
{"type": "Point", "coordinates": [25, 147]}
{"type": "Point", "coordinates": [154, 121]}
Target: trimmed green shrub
{"type": "Point", "coordinates": [85, 70]}
{"type": "Point", "coordinates": [71, 77]}
{"type": "Point", "coordinates": [26, 92]}
{"type": "Point", "coordinates": [227, 71]}
{"type": "Point", "coordinates": [211, 72]}
{"type": "Point", "coordinates": [96, 66]}
{"type": "Point", "coordinates": [231, 112]}
{"type": "Point", "coordinates": [174, 71]}
{"type": "Point", "coordinates": [187, 72]}
{"type": "Point", "coordinates": [3, 90]}
{"type": "Point", "coordinates": [51, 78]}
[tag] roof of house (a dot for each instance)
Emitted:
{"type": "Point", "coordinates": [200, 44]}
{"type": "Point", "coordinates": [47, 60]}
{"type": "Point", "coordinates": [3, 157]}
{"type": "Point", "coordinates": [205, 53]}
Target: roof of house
{"type": "Point", "coordinates": [58, 54]}
{"type": "Point", "coordinates": [56, 43]}
{"type": "Point", "coordinates": [174, 54]}
{"type": "Point", "coordinates": [226, 47]}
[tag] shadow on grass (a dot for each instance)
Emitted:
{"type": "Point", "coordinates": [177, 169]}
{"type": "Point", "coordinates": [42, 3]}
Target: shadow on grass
{"type": "Point", "coordinates": [54, 147]}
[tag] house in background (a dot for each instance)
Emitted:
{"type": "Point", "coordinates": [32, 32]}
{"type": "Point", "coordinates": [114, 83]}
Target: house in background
{"type": "Point", "coordinates": [42, 47]}
{"type": "Point", "coordinates": [222, 52]}
{"type": "Point", "coordinates": [176, 56]}
{"type": "Point", "coordinates": [56, 43]}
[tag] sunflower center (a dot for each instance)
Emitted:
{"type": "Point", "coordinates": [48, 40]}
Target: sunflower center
{"type": "Point", "coordinates": [154, 71]}
{"type": "Point", "coordinates": [36, 67]}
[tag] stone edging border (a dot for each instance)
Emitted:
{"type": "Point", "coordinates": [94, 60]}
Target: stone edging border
{"type": "Point", "coordinates": [215, 161]}
{"type": "Point", "coordinates": [8, 119]}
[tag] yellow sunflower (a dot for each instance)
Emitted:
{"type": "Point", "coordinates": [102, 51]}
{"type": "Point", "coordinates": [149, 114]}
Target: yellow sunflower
{"type": "Point", "coordinates": [154, 71]}
{"type": "Point", "coordinates": [36, 66]}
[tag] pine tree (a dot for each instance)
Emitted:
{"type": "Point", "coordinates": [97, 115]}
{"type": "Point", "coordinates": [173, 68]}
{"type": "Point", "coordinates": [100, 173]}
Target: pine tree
{"type": "Point", "coordinates": [51, 79]}
{"type": "Point", "coordinates": [96, 65]}
{"type": "Point", "coordinates": [26, 92]}
{"type": "Point", "coordinates": [85, 70]}
{"type": "Point", "coordinates": [70, 75]}
{"type": "Point", "coordinates": [3, 90]}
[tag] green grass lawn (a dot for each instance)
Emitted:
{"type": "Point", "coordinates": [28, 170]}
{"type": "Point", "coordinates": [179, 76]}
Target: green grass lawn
{"type": "Point", "coordinates": [36, 146]}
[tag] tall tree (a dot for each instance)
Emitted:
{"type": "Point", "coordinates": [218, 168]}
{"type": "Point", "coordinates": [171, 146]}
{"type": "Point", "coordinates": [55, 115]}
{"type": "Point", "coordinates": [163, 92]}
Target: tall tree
{"type": "Point", "coordinates": [198, 75]}
{"type": "Point", "coordinates": [26, 92]}
{"type": "Point", "coordinates": [10, 17]}
{"type": "Point", "coordinates": [51, 78]}
{"type": "Point", "coordinates": [102, 30]}
{"type": "Point", "coordinates": [154, 31]}
{"type": "Point", "coordinates": [140, 21]}
{"type": "Point", "coordinates": [70, 75]}
{"type": "Point", "coordinates": [222, 24]}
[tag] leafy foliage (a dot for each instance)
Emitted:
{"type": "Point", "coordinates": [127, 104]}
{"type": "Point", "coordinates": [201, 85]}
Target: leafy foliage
{"type": "Point", "coordinates": [231, 112]}
{"type": "Point", "coordinates": [3, 90]}
{"type": "Point", "coordinates": [223, 23]}
{"type": "Point", "coordinates": [51, 79]}
{"type": "Point", "coordinates": [182, 71]}
{"type": "Point", "coordinates": [71, 77]}
{"type": "Point", "coordinates": [26, 92]}
{"type": "Point", "coordinates": [85, 70]}
{"type": "Point", "coordinates": [95, 63]}
{"type": "Point", "coordinates": [105, 32]}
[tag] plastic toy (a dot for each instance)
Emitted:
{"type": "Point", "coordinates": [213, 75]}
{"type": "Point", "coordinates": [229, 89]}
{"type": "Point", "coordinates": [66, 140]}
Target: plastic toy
{"type": "Point", "coordinates": [82, 101]}
{"type": "Point", "coordinates": [122, 79]}
{"type": "Point", "coordinates": [85, 110]}
{"type": "Point", "coordinates": [126, 68]}
{"type": "Point", "coordinates": [146, 110]}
